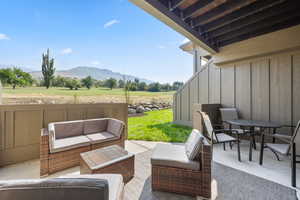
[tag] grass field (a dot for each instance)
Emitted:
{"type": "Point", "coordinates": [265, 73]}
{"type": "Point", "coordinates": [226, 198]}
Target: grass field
{"type": "Point", "coordinates": [94, 95]}
{"type": "Point", "coordinates": [157, 126]}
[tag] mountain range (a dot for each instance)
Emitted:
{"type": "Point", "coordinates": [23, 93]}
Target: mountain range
{"type": "Point", "coordinates": [84, 71]}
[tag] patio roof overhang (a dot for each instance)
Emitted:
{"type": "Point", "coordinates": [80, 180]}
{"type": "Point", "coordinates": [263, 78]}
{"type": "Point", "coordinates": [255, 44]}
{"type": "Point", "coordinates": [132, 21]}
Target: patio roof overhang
{"type": "Point", "coordinates": [212, 24]}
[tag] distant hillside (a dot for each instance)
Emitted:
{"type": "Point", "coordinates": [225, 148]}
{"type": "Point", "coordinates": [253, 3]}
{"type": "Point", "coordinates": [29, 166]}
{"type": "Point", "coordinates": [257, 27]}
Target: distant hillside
{"type": "Point", "coordinates": [25, 69]}
{"type": "Point", "coordinates": [96, 73]}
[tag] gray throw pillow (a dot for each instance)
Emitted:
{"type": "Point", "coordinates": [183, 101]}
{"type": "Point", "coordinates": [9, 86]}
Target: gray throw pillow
{"type": "Point", "coordinates": [193, 144]}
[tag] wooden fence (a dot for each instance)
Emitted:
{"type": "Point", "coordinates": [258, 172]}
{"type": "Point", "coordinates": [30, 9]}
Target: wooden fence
{"type": "Point", "coordinates": [21, 125]}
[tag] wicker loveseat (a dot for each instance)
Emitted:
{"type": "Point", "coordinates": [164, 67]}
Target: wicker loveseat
{"type": "Point", "coordinates": [62, 142]}
{"type": "Point", "coordinates": [173, 171]}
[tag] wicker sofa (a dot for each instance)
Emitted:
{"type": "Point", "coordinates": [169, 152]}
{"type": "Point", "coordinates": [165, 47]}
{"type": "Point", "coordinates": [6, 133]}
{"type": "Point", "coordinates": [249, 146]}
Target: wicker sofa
{"type": "Point", "coordinates": [173, 171]}
{"type": "Point", "coordinates": [62, 142]}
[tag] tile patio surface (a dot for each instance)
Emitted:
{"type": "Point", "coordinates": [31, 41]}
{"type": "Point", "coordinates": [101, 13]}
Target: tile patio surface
{"type": "Point", "coordinates": [273, 170]}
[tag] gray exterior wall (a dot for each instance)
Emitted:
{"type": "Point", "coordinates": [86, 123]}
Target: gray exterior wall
{"type": "Point", "coordinates": [262, 88]}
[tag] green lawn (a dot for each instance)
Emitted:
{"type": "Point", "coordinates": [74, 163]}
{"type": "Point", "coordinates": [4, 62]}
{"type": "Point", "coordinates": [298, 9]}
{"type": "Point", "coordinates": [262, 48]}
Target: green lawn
{"type": "Point", "coordinates": [80, 92]}
{"type": "Point", "coordinates": [157, 126]}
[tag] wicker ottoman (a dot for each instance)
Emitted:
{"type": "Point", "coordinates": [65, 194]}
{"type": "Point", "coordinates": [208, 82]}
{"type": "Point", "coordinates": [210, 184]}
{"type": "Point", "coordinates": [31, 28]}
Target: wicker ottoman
{"type": "Point", "coordinates": [109, 160]}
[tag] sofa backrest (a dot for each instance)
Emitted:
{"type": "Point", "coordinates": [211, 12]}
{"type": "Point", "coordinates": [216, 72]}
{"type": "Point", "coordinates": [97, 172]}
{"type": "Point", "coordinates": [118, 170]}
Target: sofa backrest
{"type": "Point", "coordinates": [67, 129]}
{"type": "Point", "coordinates": [95, 126]}
{"type": "Point", "coordinates": [58, 189]}
{"type": "Point", "coordinates": [115, 127]}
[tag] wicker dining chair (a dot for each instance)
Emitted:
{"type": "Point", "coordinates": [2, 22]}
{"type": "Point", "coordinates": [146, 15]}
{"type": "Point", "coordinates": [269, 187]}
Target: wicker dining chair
{"type": "Point", "coordinates": [287, 147]}
{"type": "Point", "coordinates": [221, 136]}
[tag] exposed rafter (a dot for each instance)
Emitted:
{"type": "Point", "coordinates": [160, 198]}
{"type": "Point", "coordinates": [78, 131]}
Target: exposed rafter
{"type": "Point", "coordinates": [191, 10]}
{"type": "Point", "coordinates": [173, 4]}
{"type": "Point", "coordinates": [261, 28]}
{"type": "Point", "coordinates": [270, 13]}
{"type": "Point", "coordinates": [220, 11]}
{"type": "Point", "coordinates": [241, 13]}
{"type": "Point", "coordinates": [178, 20]}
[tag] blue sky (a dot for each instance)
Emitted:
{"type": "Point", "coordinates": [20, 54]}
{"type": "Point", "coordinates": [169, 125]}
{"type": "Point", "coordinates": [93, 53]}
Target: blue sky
{"type": "Point", "coordinates": [112, 34]}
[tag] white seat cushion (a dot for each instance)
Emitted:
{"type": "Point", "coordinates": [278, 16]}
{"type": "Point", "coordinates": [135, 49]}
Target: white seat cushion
{"type": "Point", "coordinates": [173, 155]}
{"type": "Point", "coordinates": [68, 143]}
{"type": "Point", "coordinates": [280, 148]}
{"type": "Point", "coordinates": [193, 144]}
{"type": "Point", "coordinates": [96, 138]}
{"type": "Point", "coordinates": [222, 137]}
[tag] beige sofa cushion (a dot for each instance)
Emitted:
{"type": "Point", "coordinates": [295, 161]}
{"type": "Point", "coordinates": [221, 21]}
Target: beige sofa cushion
{"type": "Point", "coordinates": [115, 127]}
{"type": "Point", "coordinates": [68, 129]}
{"type": "Point", "coordinates": [172, 155]}
{"type": "Point", "coordinates": [95, 126]}
{"type": "Point", "coordinates": [115, 183]}
{"type": "Point", "coordinates": [101, 137]}
{"type": "Point", "coordinates": [68, 143]}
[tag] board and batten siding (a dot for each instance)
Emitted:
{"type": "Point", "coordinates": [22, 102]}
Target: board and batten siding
{"type": "Point", "coordinates": [262, 88]}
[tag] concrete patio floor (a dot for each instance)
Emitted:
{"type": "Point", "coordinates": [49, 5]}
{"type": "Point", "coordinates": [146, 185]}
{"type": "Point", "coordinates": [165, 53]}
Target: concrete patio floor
{"type": "Point", "coordinates": [273, 170]}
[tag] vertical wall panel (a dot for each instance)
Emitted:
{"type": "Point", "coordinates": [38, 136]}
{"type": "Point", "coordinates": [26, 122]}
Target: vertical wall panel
{"type": "Point", "coordinates": [296, 87]}
{"type": "Point", "coordinates": [214, 84]}
{"type": "Point", "coordinates": [9, 129]}
{"type": "Point", "coordinates": [193, 94]}
{"type": "Point", "coordinates": [243, 89]}
{"type": "Point", "coordinates": [185, 103]}
{"type": "Point", "coordinates": [203, 86]}
{"type": "Point", "coordinates": [260, 89]}
{"type": "Point", "coordinates": [227, 86]}
{"type": "Point", "coordinates": [178, 106]}
{"type": "Point", "coordinates": [280, 88]}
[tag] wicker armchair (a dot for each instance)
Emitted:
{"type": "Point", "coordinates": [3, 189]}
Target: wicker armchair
{"type": "Point", "coordinates": [173, 172]}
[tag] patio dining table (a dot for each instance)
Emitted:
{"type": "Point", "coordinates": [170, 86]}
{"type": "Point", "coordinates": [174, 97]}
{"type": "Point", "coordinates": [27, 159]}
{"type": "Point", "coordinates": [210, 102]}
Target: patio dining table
{"type": "Point", "coordinates": [252, 124]}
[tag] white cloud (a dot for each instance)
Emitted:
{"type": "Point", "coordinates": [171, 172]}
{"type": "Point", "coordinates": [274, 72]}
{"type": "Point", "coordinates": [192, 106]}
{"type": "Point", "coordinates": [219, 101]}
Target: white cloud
{"type": "Point", "coordinates": [161, 46]}
{"type": "Point", "coordinates": [95, 62]}
{"type": "Point", "coordinates": [110, 23]}
{"type": "Point", "coordinates": [185, 41]}
{"type": "Point", "coordinates": [66, 51]}
{"type": "Point", "coordinates": [4, 37]}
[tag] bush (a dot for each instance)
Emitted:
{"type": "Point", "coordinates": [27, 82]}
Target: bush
{"type": "Point", "coordinates": [73, 83]}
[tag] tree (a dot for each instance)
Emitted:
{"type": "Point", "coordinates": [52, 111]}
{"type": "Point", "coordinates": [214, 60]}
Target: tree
{"type": "Point", "coordinates": [98, 83]}
{"type": "Point", "coordinates": [15, 77]}
{"type": "Point", "coordinates": [59, 81]}
{"type": "Point", "coordinates": [110, 83]}
{"type": "Point", "coordinates": [176, 85]}
{"type": "Point", "coordinates": [154, 87]}
{"type": "Point", "coordinates": [121, 83]}
{"type": "Point", "coordinates": [48, 69]}
{"type": "Point", "coordinates": [88, 82]}
{"type": "Point", "coordinates": [73, 83]}
{"type": "Point", "coordinates": [142, 86]}
{"type": "Point", "coordinates": [166, 87]}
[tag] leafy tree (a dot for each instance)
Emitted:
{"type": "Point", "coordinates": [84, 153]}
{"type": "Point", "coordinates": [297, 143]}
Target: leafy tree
{"type": "Point", "coordinates": [154, 87]}
{"type": "Point", "coordinates": [73, 83]}
{"type": "Point", "coordinates": [142, 86]}
{"type": "Point", "coordinates": [110, 83]}
{"type": "Point", "coordinates": [98, 83]}
{"type": "Point", "coordinates": [176, 85]}
{"type": "Point", "coordinates": [88, 82]}
{"type": "Point", "coordinates": [166, 87]}
{"type": "Point", "coordinates": [48, 69]}
{"type": "Point", "coordinates": [121, 83]}
{"type": "Point", "coordinates": [15, 77]}
{"type": "Point", "coordinates": [59, 81]}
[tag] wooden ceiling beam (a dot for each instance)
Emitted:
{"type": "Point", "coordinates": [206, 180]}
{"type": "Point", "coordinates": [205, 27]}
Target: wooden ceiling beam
{"type": "Point", "coordinates": [181, 23]}
{"type": "Point", "coordinates": [241, 13]}
{"type": "Point", "coordinates": [270, 25]}
{"type": "Point", "coordinates": [194, 8]}
{"type": "Point", "coordinates": [285, 7]}
{"type": "Point", "coordinates": [175, 4]}
{"type": "Point", "coordinates": [220, 11]}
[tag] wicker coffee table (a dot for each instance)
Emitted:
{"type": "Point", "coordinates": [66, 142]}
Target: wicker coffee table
{"type": "Point", "coordinates": [110, 160]}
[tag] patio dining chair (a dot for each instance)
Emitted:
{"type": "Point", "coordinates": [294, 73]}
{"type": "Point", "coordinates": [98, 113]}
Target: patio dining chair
{"type": "Point", "coordinates": [221, 136]}
{"type": "Point", "coordinates": [287, 147]}
{"type": "Point", "coordinates": [232, 114]}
